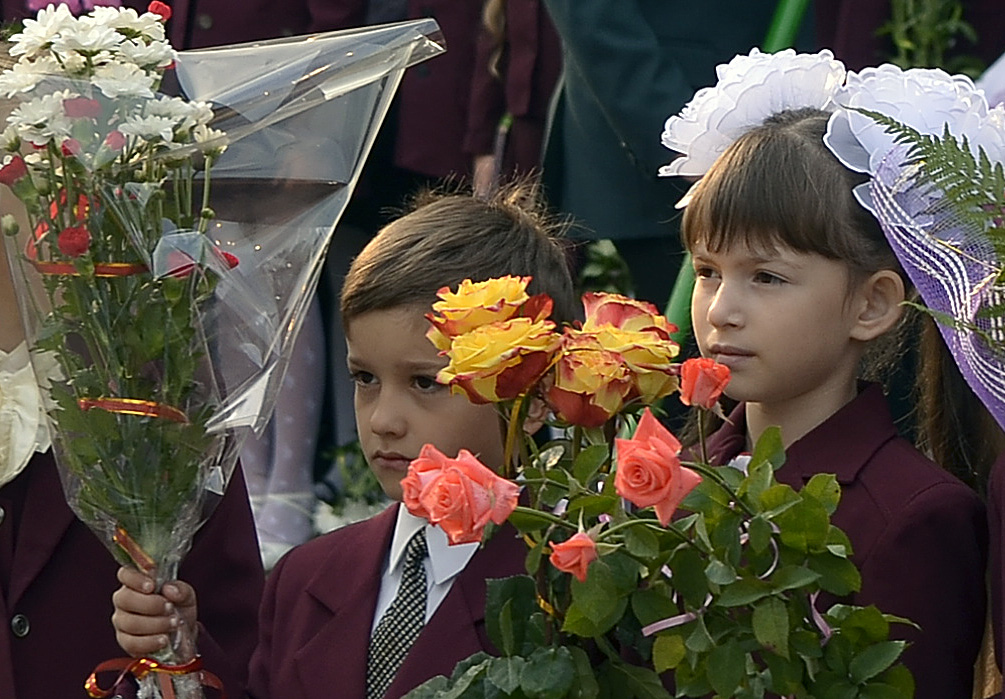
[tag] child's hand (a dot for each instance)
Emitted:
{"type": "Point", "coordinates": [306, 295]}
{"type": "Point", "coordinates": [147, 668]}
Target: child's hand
{"type": "Point", "coordinates": [144, 621]}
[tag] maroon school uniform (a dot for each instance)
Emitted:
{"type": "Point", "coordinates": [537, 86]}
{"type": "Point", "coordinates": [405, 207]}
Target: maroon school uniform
{"type": "Point", "coordinates": [996, 555]}
{"type": "Point", "coordinates": [57, 580]}
{"type": "Point", "coordinates": [319, 605]}
{"type": "Point", "coordinates": [919, 535]}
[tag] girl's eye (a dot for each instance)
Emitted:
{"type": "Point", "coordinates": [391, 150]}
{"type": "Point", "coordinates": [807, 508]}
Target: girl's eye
{"type": "Point", "coordinates": [363, 378]}
{"type": "Point", "coordinates": [427, 383]}
{"type": "Point", "coordinates": [768, 278]}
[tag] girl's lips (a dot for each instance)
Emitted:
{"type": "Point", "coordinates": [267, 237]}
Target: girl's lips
{"type": "Point", "coordinates": [728, 355]}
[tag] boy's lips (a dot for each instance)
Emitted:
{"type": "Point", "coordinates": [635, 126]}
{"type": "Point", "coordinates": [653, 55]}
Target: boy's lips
{"type": "Point", "coordinates": [390, 460]}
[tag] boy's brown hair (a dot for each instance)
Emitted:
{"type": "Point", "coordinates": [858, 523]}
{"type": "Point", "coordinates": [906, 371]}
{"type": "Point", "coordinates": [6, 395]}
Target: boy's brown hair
{"type": "Point", "coordinates": [450, 237]}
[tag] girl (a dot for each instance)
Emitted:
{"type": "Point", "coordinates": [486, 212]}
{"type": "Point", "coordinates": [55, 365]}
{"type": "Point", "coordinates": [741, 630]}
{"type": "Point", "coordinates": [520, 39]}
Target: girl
{"type": "Point", "coordinates": [794, 282]}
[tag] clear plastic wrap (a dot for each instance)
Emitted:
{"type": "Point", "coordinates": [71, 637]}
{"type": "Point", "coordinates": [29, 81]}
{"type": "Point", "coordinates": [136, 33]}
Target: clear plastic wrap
{"type": "Point", "coordinates": [176, 212]}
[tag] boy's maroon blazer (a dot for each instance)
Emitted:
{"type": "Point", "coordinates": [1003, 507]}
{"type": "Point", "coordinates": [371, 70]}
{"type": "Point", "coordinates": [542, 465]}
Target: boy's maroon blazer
{"type": "Point", "coordinates": [319, 605]}
{"type": "Point", "coordinates": [57, 580]}
{"type": "Point", "coordinates": [919, 535]}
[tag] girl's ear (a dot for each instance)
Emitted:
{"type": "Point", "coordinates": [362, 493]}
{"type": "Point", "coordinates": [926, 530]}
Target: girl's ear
{"type": "Point", "coordinates": [537, 413]}
{"type": "Point", "coordinates": [878, 305]}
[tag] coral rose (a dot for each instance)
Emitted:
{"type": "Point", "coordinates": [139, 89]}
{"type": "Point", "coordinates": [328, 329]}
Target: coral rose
{"type": "Point", "coordinates": [702, 381]}
{"type": "Point", "coordinates": [461, 496]}
{"type": "Point", "coordinates": [500, 361]}
{"type": "Point", "coordinates": [574, 555]}
{"type": "Point", "coordinates": [590, 383]}
{"type": "Point", "coordinates": [475, 304]}
{"type": "Point", "coordinates": [74, 241]}
{"type": "Point", "coordinates": [649, 471]}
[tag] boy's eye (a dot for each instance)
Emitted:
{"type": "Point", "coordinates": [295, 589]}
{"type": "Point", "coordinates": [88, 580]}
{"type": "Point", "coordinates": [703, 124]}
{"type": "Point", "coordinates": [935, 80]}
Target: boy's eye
{"type": "Point", "coordinates": [768, 278]}
{"type": "Point", "coordinates": [427, 383]}
{"type": "Point", "coordinates": [704, 272]}
{"type": "Point", "coordinates": [363, 378]}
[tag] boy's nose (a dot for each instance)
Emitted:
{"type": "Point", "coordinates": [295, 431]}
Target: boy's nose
{"type": "Point", "coordinates": [388, 416]}
{"type": "Point", "coordinates": [724, 306]}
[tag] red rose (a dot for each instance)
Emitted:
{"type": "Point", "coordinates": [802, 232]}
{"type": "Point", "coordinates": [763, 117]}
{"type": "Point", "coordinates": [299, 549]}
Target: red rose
{"type": "Point", "coordinates": [649, 472]}
{"type": "Point", "coordinates": [74, 241]}
{"type": "Point", "coordinates": [70, 148]}
{"type": "Point", "coordinates": [82, 108]}
{"type": "Point", "coordinates": [13, 171]}
{"type": "Point", "coordinates": [702, 382]}
{"type": "Point", "coordinates": [160, 8]}
{"type": "Point", "coordinates": [574, 555]}
{"type": "Point", "coordinates": [115, 140]}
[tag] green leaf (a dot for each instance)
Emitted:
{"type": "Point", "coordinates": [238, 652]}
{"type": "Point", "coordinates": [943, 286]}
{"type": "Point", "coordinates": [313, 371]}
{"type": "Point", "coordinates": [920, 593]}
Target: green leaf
{"type": "Point", "coordinates": [526, 520]}
{"type": "Point", "coordinates": [760, 534]}
{"type": "Point", "coordinates": [804, 526]}
{"type": "Point", "coordinates": [769, 449]}
{"type": "Point", "coordinates": [640, 682]}
{"type": "Point", "coordinates": [589, 461]}
{"type": "Point", "coordinates": [689, 576]}
{"type": "Point", "coordinates": [743, 592]}
{"type": "Point", "coordinates": [719, 573]}
{"type": "Point", "coordinates": [549, 673]}
{"type": "Point", "coordinates": [777, 499]}
{"type": "Point", "coordinates": [824, 488]}
{"type": "Point", "coordinates": [592, 505]}
{"type": "Point", "coordinates": [726, 665]}
{"type": "Point", "coordinates": [668, 652]}
{"type": "Point", "coordinates": [793, 577]}
{"type": "Point", "coordinates": [510, 604]}
{"type": "Point", "coordinates": [504, 673]}
{"type": "Point", "coordinates": [642, 542]}
{"type": "Point", "coordinates": [874, 660]}
{"type": "Point", "coordinates": [771, 626]}
{"type": "Point", "coordinates": [699, 640]}
{"type": "Point", "coordinates": [598, 602]}
{"type": "Point", "coordinates": [786, 673]}
{"type": "Point", "coordinates": [653, 603]}
{"type": "Point", "coordinates": [759, 479]}
{"type": "Point", "coordinates": [837, 575]}
{"type": "Point", "coordinates": [585, 682]}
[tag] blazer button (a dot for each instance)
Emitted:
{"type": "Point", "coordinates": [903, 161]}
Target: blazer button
{"type": "Point", "coordinates": [204, 21]}
{"type": "Point", "coordinates": [19, 625]}
{"type": "Point", "coordinates": [2, 515]}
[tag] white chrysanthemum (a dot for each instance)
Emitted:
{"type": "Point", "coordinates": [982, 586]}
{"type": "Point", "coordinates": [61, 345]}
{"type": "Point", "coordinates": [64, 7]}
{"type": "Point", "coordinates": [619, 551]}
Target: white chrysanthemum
{"type": "Point", "coordinates": [39, 32]}
{"type": "Point", "coordinates": [22, 77]}
{"type": "Point", "coordinates": [156, 54]}
{"type": "Point", "coordinates": [123, 80]}
{"type": "Point", "coordinates": [149, 128]}
{"type": "Point", "coordinates": [10, 141]}
{"type": "Point", "coordinates": [212, 141]}
{"type": "Point", "coordinates": [42, 120]}
{"type": "Point", "coordinates": [87, 37]}
{"type": "Point", "coordinates": [750, 89]}
{"type": "Point", "coordinates": [187, 114]}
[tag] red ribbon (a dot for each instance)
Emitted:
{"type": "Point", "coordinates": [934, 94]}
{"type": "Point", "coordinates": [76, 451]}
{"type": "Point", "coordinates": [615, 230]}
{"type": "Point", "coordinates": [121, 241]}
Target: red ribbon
{"type": "Point", "coordinates": [133, 406]}
{"type": "Point", "coordinates": [141, 667]}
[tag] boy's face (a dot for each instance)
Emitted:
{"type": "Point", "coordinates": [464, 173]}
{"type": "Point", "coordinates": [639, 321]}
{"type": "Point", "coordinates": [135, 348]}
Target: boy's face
{"type": "Point", "coordinates": [399, 404]}
{"type": "Point", "coordinates": [781, 321]}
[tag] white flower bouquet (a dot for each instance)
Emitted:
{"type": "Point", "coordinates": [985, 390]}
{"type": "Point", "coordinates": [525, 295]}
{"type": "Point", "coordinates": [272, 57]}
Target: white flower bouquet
{"type": "Point", "coordinates": [176, 211]}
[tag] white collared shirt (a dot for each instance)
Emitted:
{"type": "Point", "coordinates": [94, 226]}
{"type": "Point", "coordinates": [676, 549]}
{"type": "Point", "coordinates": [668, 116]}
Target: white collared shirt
{"type": "Point", "coordinates": [443, 563]}
{"type": "Point", "coordinates": [23, 427]}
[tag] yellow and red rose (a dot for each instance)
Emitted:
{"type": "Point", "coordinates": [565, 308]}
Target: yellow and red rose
{"type": "Point", "coordinates": [475, 304]}
{"type": "Point", "coordinates": [500, 361]}
{"type": "Point", "coordinates": [590, 383]}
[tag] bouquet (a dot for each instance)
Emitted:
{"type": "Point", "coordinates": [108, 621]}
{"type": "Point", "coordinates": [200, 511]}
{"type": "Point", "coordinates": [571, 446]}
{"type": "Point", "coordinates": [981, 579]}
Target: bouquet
{"type": "Point", "coordinates": [168, 245]}
{"type": "Point", "coordinates": [645, 566]}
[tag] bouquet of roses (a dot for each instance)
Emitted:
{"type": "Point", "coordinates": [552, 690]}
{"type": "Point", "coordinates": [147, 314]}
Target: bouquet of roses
{"type": "Point", "coordinates": [168, 246]}
{"type": "Point", "coordinates": [642, 561]}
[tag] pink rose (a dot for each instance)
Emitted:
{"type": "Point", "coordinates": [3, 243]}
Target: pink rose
{"type": "Point", "coordinates": [702, 382]}
{"type": "Point", "coordinates": [574, 555]}
{"type": "Point", "coordinates": [649, 472]}
{"type": "Point", "coordinates": [460, 495]}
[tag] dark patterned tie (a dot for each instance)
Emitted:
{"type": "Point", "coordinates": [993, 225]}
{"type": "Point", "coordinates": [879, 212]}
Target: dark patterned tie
{"type": "Point", "coordinates": [402, 621]}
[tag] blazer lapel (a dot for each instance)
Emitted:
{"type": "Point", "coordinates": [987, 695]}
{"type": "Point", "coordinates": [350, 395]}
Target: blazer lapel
{"type": "Point", "coordinates": [44, 521]}
{"type": "Point", "coordinates": [333, 662]}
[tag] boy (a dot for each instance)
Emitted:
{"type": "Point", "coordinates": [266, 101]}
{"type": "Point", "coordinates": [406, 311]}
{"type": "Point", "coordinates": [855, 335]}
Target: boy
{"type": "Point", "coordinates": [324, 601]}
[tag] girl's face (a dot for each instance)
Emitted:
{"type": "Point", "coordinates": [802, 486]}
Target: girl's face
{"type": "Point", "coordinates": [780, 320]}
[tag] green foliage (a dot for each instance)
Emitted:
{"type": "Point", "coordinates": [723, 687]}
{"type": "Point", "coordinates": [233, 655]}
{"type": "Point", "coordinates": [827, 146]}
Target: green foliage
{"type": "Point", "coordinates": [740, 569]}
{"type": "Point", "coordinates": [605, 270]}
{"type": "Point", "coordinates": [927, 33]}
